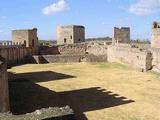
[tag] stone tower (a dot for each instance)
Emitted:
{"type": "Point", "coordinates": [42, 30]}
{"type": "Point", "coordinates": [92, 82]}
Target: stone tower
{"type": "Point", "coordinates": [121, 35]}
{"type": "Point", "coordinates": [28, 37]}
{"type": "Point", "coordinates": [70, 34]}
{"type": "Point", "coordinates": [155, 40]}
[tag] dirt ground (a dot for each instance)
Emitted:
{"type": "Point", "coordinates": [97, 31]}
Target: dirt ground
{"type": "Point", "coordinates": [95, 91]}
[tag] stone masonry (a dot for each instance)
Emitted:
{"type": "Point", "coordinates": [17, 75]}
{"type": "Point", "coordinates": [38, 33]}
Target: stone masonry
{"type": "Point", "coordinates": [70, 34]}
{"type": "Point", "coordinates": [155, 43]}
{"type": "Point", "coordinates": [27, 36]}
{"type": "Point", "coordinates": [4, 91]}
{"type": "Point", "coordinates": [121, 35]}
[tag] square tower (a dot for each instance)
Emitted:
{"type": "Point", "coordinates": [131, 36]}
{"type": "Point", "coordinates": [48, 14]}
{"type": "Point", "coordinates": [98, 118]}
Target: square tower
{"type": "Point", "coordinates": [155, 39]}
{"type": "Point", "coordinates": [28, 37]}
{"type": "Point", "coordinates": [70, 34]}
{"type": "Point", "coordinates": [121, 35]}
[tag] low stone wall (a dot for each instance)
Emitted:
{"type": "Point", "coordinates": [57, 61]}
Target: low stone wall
{"type": "Point", "coordinates": [4, 92]}
{"type": "Point", "coordinates": [68, 58]}
{"type": "Point", "coordinates": [73, 49]}
{"type": "Point", "coordinates": [47, 50]}
{"type": "Point", "coordinates": [135, 57]}
{"type": "Point", "coordinates": [63, 113]}
{"type": "Point", "coordinates": [93, 48]}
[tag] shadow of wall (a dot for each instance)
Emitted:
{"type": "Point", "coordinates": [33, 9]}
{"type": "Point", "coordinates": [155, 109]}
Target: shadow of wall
{"type": "Point", "coordinates": [26, 96]}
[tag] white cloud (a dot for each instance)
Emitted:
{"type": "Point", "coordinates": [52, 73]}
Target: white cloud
{"type": "Point", "coordinates": [145, 7]}
{"type": "Point", "coordinates": [54, 8]}
{"type": "Point", "coordinates": [1, 31]}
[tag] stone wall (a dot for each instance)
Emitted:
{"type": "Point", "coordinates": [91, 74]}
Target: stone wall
{"type": "Point", "coordinates": [4, 91]}
{"type": "Point", "coordinates": [97, 49]}
{"type": "Point", "coordinates": [68, 58]}
{"type": "Point", "coordinates": [155, 42]}
{"type": "Point", "coordinates": [74, 49]}
{"type": "Point", "coordinates": [156, 59]}
{"type": "Point", "coordinates": [48, 50]}
{"type": "Point", "coordinates": [14, 56]}
{"type": "Point", "coordinates": [93, 48]}
{"type": "Point", "coordinates": [135, 57]}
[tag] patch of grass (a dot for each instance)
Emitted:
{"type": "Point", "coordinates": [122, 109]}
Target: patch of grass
{"type": "Point", "coordinates": [98, 89]}
{"type": "Point", "coordinates": [112, 65]}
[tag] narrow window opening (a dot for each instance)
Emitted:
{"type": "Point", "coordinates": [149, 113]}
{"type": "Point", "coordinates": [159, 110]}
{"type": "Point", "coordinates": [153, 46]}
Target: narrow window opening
{"type": "Point", "coordinates": [65, 40]}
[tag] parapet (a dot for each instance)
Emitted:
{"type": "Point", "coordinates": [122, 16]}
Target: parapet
{"type": "Point", "coordinates": [156, 25]}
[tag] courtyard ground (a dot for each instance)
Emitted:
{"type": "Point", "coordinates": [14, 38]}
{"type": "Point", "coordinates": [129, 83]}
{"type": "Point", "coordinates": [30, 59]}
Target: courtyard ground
{"type": "Point", "coordinates": [95, 91]}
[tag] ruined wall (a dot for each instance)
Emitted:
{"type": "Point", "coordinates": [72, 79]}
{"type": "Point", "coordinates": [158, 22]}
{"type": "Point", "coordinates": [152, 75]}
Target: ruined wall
{"type": "Point", "coordinates": [97, 49]}
{"type": "Point", "coordinates": [4, 91]}
{"type": "Point", "coordinates": [155, 42]}
{"type": "Point", "coordinates": [68, 58]}
{"type": "Point", "coordinates": [70, 34]}
{"type": "Point", "coordinates": [121, 35]}
{"type": "Point", "coordinates": [139, 59]}
{"type": "Point", "coordinates": [48, 50]}
{"type": "Point", "coordinates": [92, 48]}
{"type": "Point", "coordinates": [73, 49]}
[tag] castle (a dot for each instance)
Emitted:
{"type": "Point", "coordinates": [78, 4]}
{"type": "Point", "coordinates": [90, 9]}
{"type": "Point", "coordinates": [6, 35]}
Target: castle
{"type": "Point", "coordinates": [71, 47]}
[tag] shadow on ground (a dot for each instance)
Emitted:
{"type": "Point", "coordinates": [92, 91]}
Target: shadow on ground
{"type": "Point", "coordinates": [42, 76]}
{"type": "Point", "coordinates": [26, 97]}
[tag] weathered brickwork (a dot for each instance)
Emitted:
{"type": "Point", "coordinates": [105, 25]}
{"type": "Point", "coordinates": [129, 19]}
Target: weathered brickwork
{"type": "Point", "coordinates": [135, 57]}
{"type": "Point", "coordinates": [70, 34]}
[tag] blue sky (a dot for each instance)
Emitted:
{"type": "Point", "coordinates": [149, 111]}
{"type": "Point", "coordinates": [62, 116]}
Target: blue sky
{"type": "Point", "coordinates": [98, 16]}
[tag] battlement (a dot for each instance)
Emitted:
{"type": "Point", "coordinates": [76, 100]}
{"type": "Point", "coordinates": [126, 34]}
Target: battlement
{"type": "Point", "coordinates": [156, 25]}
{"type": "Point", "coordinates": [11, 44]}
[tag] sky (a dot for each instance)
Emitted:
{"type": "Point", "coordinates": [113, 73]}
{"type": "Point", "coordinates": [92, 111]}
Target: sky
{"type": "Point", "coordinates": [98, 16]}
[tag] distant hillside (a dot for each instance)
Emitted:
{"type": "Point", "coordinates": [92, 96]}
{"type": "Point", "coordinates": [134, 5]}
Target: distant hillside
{"type": "Point", "coordinates": [99, 39]}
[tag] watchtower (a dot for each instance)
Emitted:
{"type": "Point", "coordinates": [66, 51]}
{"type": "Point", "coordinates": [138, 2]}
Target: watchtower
{"type": "Point", "coordinates": [28, 37]}
{"type": "Point", "coordinates": [70, 34]}
{"type": "Point", "coordinates": [121, 35]}
{"type": "Point", "coordinates": [155, 39]}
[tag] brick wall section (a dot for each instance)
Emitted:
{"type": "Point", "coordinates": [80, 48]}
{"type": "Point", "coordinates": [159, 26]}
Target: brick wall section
{"type": "Point", "coordinates": [4, 93]}
{"type": "Point", "coordinates": [139, 59]}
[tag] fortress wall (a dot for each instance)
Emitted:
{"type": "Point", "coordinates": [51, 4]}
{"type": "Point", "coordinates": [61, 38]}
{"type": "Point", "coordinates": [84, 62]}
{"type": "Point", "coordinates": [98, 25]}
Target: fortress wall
{"type": "Point", "coordinates": [92, 48]}
{"type": "Point", "coordinates": [68, 58]}
{"type": "Point", "coordinates": [72, 49]}
{"type": "Point", "coordinates": [46, 50]}
{"type": "Point", "coordinates": [16, 55]}
{"type": "Point", "coordinates": [156, 59]}
{"type": "Point", "coordinates": [139, 59]}
{"type": "Point", "coordinates": [4, 91]}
